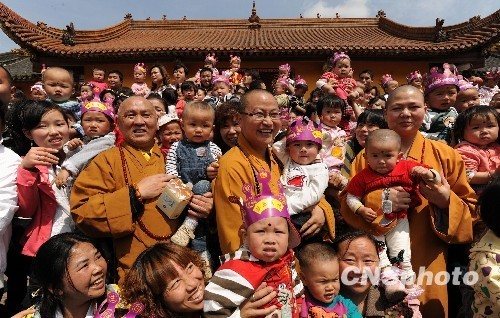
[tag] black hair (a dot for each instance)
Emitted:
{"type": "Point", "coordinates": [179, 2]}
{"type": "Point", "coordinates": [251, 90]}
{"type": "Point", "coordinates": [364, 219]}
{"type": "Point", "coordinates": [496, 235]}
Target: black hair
{"type": "Point", "coordinates": [106, 91]}
{"type": "Point", "coordinates": [465, 117]}
{"type": "Point", "coordinates": [202, 89]}
{"type": "Point", "coordinates": [350, 236]}
{"type": "Point", "coordinates": [178, 64]}
{"type": "Point", "coordinates": [369, 72]}
{"type": "Point", "coordinates": [158, 97]}
{"type": "Point", "coordinates": [170, 96]}
{"type": "Point", "coordinates": [311, 253]}
{"type": "Point", "coordinates": [120, 74]}
{"type": "Point", "coordinates": [188, 85]}
{"type": "Point", "coordinates": [255, 84]}
{"type": "Point", "coordinates": [375, 99]}
{"type": "Point", "coordinates": [377, 91]}
{"type": "Point", "coordinates": [224, 112]}
{"type": "Point", "coordinates": [25, 115]}
{"type": "Point", "coordinates": [51, 268]}
{"type": "Point", "coordinates": [164, 74]}
{"type": "Point", "coordinates": [253, 73]}
{"type": "Point", "coordinates": [489, 205]}
{"type": "Point", "coordinates": [121, 95]}
{"type": "Point", "coordinates": [370, 117]}
{"type": "Point", "coordinates": [332, 102]}
{"type": "Point", "coordinates": [205, 69]}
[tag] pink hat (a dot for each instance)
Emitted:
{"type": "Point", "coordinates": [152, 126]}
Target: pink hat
{"type": "Point", "coordinates": [300, 81]}
{"type": "Point", "coordinates": [338, 56]}
{"type": "Point", "coordinates": [234, 58]}
{"type": "Point", "coordinates": [140, 67]}
{"type": "Point", "coordinates": [282, 81]}
{"type": "Point", "coordinates": [264, 204]}
{"type": "Point", "coordinates": [285, 67]}
{"type": "Point", "coordinates": [435, 79]}
{"type": "Point", "coordinates": [94, 106]}
{"type": "Point", "coordinates": [37, 86]}
{"type": "Point", "coordinates": [211, 59]}
{"type": "Point", "coordinates": [221, 78]}
{"type": "Point", "coordinates": [386, 78]}
{"type": "Point", "coordinates": [304, 129]}
{"type": "Point", "coordinates": [413, 76]}
{"type": "Point", "coordinates": [464, 84]}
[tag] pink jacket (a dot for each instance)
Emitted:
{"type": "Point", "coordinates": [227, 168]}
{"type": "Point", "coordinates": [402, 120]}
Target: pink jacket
{"type": "Point", "coordinates": [38, 202]}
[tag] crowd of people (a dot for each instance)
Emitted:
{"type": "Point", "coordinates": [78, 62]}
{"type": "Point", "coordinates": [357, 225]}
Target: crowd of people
{"type": "Point", "coordinates": [212, 196]}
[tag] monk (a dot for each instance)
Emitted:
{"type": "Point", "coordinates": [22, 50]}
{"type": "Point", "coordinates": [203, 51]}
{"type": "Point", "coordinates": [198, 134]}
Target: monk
{"type": "Point", "coordinates": [447, 210]}
{"type": "Point", "coordinates": [259, 121]}
{"type": "Point", "coordinates": [116, 195]}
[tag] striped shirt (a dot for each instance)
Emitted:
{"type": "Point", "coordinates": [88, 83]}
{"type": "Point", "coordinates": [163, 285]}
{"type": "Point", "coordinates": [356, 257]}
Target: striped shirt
{"type": "Point", "coordinates": [171, 165]}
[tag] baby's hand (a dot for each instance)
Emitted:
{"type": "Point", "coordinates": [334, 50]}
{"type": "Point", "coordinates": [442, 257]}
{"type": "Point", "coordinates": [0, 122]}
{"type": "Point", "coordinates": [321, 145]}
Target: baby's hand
{"type": "Point", "coordinates": [337, 181]}
{"type": "Point", "coordinates": [333, 82]}
{"type": "Point", "coordinates": [366, 213]}
{"type": "Point", "coordinates": [74, 143]}
{"type": "Point", "coordinates": [423, 173]}
{"type": "Point", "coordinates": [62, 178]}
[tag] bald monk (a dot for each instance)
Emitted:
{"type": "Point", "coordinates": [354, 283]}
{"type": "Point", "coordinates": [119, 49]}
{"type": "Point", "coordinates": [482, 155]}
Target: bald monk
{"type": "Point", "coordinates": [116, 195]}
{"type": "Point", "coordinates": [447, 210]}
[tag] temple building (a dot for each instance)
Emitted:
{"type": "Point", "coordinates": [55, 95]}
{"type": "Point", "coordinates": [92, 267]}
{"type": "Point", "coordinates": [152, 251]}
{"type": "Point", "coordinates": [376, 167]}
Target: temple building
{"type": "Point", "coordinates": [377, 43]}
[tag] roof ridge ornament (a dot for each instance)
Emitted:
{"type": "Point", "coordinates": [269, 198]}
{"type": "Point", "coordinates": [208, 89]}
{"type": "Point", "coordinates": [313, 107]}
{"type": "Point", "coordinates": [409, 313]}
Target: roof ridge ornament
{"type": "Point", "coordinates": [68, 36]}
{"type": "Point", "coordinates": [440, 35]}
{"type": "Point", "coordinates": [128, 16]}
{"type": "Point", "coordinates": [381, 14]}
{"type": "Point", "coordinates": [254, 18]}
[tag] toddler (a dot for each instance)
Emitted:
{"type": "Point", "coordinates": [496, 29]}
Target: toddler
{"type": "Point", "coordinates": [280, 92]}
{"type": "Point", "coordinates": [98, 125]}
{"type": "Point", "coordinates": [305, 177]}
{"type": "Point", "coordinates": [201, 94]}
{"type": "Point", "coordinates": [489, 88]}
{"type": "Point", "coordinates": [284, 74]}
{"type": "Point", "coordinates": [495, 102]}
{"type": "Point", "coordinates": [210, 61]}
{"type": "Point", "coordinates": [484, 256]}
{"type": "Point", "coordinates": [338, 81]}
{"type": "Point", "coordinates": [86, 93]}
{"type": "Point", "coordinates": [388, 84]}
{"type": "Point", "coordinates": [169, 131]}
{"type": "Point", "coordinates": [441, 90]}
{"type": "Point", "coordinates": [468, 95]}
{"type": "Point", "coordinates": [188, 160]}
{"type": "Point", "coordinates": [37, 92]}
{"type": "Point", "coordinates": [415, 79]}
{"type": "Point", "coordinates": [476, 130]}
{"type": "Point", "coordinates": [58, 84]}
{"type": "Point", "coordinates": [221, 91]}
{"type": "Point", "coordinates": [107, 96]}
{"type": "Point", "coordinates": [265, 257]}
{"type": "Point", "coordinates": [140, 87]}
{"type": "Point", "coordinates": [385, 170]}
{"type": "Point", "coordinates": [97, 81]}
{"type": "Point", "coordinates": [297, 101]}
{"type": "Point", "coordinates": [188, 91]}
{"type": "Point", "coordinates": [233, 73]}
{"type": "Point", "coordinates": [319, 272]}
{"type": "Point", "coordinates": [330, 110]}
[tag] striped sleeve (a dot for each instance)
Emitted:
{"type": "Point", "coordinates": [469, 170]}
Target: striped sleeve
{"type": "Point", "coordinates": [171, 165]}
{"type": "Point", "coordinates": [298, 287]}
{"type": "Point", "coordinates": [215, 150]}
{"type": "Point", "coordinates": [348, 159]}
{"type": "Point", "coordinates": [225, 292]}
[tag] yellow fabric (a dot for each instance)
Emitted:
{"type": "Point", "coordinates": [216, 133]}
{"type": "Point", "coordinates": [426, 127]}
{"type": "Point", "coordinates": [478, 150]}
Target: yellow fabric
{"type": "Point", "coordinates": [100, 203]}
{"type": "Point", "coordinates": [235, 170]}
{"type": "Point", "coordinates": [146, 155]}
{"type": "Point", "coordinates": [430, 229]}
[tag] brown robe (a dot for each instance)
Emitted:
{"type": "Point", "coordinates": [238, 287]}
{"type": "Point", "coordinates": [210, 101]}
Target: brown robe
{"type": "Point", "coordinates": [430, 229]}
{"type": "Point", "coordinates": [100, 203]}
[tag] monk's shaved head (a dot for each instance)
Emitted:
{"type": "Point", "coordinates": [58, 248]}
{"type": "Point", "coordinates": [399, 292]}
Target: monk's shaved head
{"type": "Point", "coordinates": [134, 100]}
{"type": "Point", "coordinates": [405, 89]}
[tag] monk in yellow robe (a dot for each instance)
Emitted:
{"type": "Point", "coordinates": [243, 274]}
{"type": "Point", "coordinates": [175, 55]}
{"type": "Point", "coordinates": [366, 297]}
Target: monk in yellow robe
{"type": "Point", "coordinates": [116, 194]}
{"type": "Point", "coordinates": [259, 122]}
{"type": "Point", "coordinates": [447, 211]}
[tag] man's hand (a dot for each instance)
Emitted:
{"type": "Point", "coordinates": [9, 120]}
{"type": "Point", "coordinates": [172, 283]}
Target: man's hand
{"type": "Point", "coordinates": [314, 224]}
{"type": "Point", "coordinates": [200, 206]}
{"type": "Point", "coordinates": [152, 186]}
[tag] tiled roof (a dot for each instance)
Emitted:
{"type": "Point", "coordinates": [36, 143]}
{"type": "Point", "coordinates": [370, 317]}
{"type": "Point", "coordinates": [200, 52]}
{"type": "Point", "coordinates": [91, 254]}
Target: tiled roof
{"type": "Point", "coordinates": [19, 65]}
{"type": "Point", "coordinates": [369, 37]}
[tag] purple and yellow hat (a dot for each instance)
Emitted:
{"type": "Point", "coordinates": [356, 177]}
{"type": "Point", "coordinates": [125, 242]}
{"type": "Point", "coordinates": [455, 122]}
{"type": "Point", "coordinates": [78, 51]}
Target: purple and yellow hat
{"type": "Point", "coordinates": [413, 76]}
{"type": "Point", "coordinates": [95, 106]}
{"type": "Point", "coordinates": [436, 78]}
{"type": "Point", "coordinates": [299, 81]}
{"type": "Point", "coordinates": [265, 204]}
{"type": "Point", "coordinates": [304, 129]}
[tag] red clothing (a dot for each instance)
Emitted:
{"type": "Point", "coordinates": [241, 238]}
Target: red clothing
{"type": "Point", "coordinates": [36, 201]}
{"type": "Point", "coordinates": [369, 180]}
{"type": "Point", "coordinates": [98, 88]}
{"type": "Point", "coordinates": [179, 107]}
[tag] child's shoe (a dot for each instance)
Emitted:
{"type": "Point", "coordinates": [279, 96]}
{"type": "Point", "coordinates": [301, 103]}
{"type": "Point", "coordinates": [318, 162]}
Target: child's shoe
{"type": "Point", "coordinates": [394, 289]}
{"type": "Point", "coordinates": [183, 235]}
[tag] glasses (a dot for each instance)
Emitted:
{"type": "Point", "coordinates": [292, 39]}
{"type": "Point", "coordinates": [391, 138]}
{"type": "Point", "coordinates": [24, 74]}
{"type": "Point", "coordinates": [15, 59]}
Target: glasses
{"type": "Point", "coordinates": [260, 116]}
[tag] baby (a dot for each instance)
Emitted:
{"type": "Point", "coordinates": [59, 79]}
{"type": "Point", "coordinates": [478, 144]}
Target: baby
{"type": "Point", "coordinates": [98, 124]}
{"type": "Point", "coordinates": [284, 75]}
{"type": "Point", "coordinates": [58, 84]}
{"type": "Point", "coordinates": [305, 177]}
{"type": "Point", "coordinates": [415, 79]}
{"type": "Point", "coordinates": [386, 169]}
{"type": "Point", "coordinates": [188, 160]}
{"type": "Point", "coordinates": [280, 93]}
{"type": "Point", "coordinates": [441, 88]}
{"type": "Point", "coordinates": [86, 93]}
{"type": "Point", "coordinates": [266, 256]}
{"type": "Point", "coordinates": [140, 87]}
{"type": "Point", "coordinates": [169, 131]}
{"type": "Point", "coordinates": [37, 92]}
{"type": "Point", "coordinates": [97, 81]}
{"type": "Point", "coordinates": [321, 278]}
{"type": "Point", "coordinates": [468, 95]}
{"type": "Point", "coordinates": [388, 84]}
{"type": "Point", "coordinates": [338, 81]}
{"type": "Point", "coordinates": [233, 73]}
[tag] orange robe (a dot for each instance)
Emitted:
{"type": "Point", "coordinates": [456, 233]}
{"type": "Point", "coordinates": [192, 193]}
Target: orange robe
{"type": "Point", "coordinates": [100, 203]}
{"type": "Point", "coordinates": [234, 171]}
{"type": "Point", "coordinates": [430, 229]}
